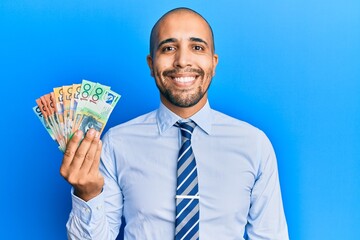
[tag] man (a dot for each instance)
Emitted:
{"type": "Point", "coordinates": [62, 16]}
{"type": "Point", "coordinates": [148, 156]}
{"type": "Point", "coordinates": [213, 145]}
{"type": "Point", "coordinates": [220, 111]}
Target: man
{"type": "Point", "coordinates": [234, 191]}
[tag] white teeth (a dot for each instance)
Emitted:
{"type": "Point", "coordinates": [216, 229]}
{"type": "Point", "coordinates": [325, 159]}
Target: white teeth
{"type": "Point", "coordinates": [184, 79]}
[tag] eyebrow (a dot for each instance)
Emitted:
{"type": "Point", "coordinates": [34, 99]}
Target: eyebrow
{"type": "Point", "coordinates": [173, 40]}
{"type": "Point", "coordinates": [169, 40]}
{"type": "Point", "coordinates": [195, 39]}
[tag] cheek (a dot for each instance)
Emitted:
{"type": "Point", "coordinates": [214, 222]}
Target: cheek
{"type": "Point", "coordinates": [207, 64]}
{"type": "Point", "coordinates": [162, 63]}
{"type": "Point", "coordinates": [158, 70]}
{"type": "Point", "coordinates": [159, 79]}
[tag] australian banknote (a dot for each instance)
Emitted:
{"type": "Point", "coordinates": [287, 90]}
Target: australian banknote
{"type": "Point", "coordinates": [78, 106]}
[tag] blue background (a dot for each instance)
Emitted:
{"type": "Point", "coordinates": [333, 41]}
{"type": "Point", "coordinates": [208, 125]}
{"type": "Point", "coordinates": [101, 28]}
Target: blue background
{"type": "Point", "coordinates": [291, 68]}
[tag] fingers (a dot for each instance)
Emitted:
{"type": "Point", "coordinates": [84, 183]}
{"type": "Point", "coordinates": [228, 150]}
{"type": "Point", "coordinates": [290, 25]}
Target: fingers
{"type": "Point", "coordinates": [71, 148]}
{"type": "Point", "coordinates": [81, 158]}
{"type": "Point", "coordinates": [84, 151]}
{"type": "Point", "coordinates": [96, 163]}
{"type": "Point", "coordinates": [90, 156]}
{"type": "Point", "coordinates": [81, 164]}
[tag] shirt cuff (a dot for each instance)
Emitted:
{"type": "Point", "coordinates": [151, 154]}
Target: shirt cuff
{"type": "Point", "coordinates": [91, 210]}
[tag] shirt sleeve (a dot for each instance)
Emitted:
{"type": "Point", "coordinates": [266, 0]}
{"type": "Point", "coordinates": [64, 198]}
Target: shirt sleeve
{"type": "Point", "coordinates": [100, 217]}
{"type": "Point", "coordinates": [266, 218]}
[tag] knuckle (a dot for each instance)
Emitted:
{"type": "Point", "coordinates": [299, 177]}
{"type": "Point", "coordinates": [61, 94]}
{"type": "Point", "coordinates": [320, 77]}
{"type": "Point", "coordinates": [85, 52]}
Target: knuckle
{"type": "Point", "coordinates": [68, 152]}
{"type": "Point", "coordinates": [80, 155]}
{"type": "Point", "coordinates": [63, 171]}
{"type": "Point", "coordinates": [88, 138]}
{"type": "Point", "coordinates": [73, 180]}
{"type": "Point", "coordinates": [82, 182]}
{"type": "Point", "coordinates": [88, 157]}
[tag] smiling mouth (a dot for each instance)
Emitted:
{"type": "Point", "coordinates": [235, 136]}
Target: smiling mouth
{"type": "Point", "coordinates": [184, 79]}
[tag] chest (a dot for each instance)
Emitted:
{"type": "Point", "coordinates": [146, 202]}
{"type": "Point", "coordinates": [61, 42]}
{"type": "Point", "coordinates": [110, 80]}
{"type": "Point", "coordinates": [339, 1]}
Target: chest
{"type": "Point", "coordinates": [226, 175]}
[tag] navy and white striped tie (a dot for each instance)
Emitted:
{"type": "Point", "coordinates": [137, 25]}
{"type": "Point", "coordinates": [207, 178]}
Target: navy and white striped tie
{"type": "Point", "coordinates": [187, 193]}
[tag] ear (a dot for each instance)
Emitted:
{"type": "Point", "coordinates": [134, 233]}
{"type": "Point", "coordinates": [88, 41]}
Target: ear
{"type": "Point", "coordinates": [150, 64]}
{"type": "Point", "coordinates": [215, 62]}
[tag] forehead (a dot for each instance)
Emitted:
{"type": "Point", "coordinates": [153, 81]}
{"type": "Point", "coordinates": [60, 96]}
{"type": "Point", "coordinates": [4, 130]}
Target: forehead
{"type": "Point", "coordinates": [183, 25]}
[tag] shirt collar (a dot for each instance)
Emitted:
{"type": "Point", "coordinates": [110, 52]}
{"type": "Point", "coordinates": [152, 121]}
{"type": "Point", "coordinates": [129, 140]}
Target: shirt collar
{"type": "Point", "coordinates": [166, 118]}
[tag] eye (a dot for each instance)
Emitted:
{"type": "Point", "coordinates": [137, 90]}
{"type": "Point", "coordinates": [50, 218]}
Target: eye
{"type": "Point", "coordinates": [168, 49]}
{"type": "Point", "coordinates": [198, 48]}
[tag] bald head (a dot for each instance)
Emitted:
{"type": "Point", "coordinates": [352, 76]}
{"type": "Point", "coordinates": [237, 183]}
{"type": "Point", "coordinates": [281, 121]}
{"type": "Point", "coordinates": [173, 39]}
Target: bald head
{"type": "Point", "coordinates": [154, 30]}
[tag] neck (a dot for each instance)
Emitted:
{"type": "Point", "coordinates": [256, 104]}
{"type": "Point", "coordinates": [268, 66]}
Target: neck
{"type": "Point", "coordinates": [184, 112]}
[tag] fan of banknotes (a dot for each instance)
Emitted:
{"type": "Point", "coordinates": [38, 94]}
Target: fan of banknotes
{"type": "Point", "coordinates": [78, 106]}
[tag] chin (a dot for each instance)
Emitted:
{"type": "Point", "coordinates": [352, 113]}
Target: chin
{"type": "Point", "coordinates": [190, 101]}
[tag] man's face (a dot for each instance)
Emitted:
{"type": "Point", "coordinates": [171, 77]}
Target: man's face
{"type": "Point", "coordinates": [183, 61]}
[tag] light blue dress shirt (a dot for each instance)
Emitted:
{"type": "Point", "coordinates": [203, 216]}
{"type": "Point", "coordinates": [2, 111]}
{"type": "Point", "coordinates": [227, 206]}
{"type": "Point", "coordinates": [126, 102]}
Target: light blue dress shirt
{"type": "Point", "coordinates": [239, 187]}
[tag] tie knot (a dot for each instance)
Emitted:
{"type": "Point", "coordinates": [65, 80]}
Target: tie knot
{"type": "Point", "coordinates": [186, 128]}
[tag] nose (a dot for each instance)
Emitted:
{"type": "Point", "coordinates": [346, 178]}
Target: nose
{"type": "Point", "coordinates": [182, 58]}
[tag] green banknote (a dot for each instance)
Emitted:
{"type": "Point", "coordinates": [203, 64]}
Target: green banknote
{"type": "Point", "coordinates": [98, 108]}
{"type": "Point", "coordinates": [85, 92]}
{"type": "Point", "coordinates": [77, 106]}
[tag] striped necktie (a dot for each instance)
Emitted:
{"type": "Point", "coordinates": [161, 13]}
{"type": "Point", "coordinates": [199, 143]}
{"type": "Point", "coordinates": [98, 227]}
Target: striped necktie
{"type": "Point", "coordinates": [187, 193]}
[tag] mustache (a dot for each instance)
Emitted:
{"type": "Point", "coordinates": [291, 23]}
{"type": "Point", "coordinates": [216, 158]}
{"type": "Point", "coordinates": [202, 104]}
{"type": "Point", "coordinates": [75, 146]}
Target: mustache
{"type": "Point", "coordinates": [169, 72]}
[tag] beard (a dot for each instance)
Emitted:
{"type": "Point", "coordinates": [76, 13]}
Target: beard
{"type": "Point", "coordinates": [179, 100]}
{"type": "Point", "coordinates": [183, 98]}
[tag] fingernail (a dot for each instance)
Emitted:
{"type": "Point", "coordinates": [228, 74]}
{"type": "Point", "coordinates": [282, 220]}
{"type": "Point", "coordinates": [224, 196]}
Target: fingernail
{"type": "Point", "coordinates": [91, 131]}
{"type": "Point", "coordinates": [78, 133]}
{"type": "Point", "coordinates": [97, 134]}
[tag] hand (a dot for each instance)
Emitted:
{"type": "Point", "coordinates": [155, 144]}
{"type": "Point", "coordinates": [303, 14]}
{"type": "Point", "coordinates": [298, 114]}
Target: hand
{"type": "Point", "coordinates": [80, 165]}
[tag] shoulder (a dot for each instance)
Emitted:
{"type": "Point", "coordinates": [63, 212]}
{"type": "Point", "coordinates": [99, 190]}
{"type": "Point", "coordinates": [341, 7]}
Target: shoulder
{"type": "Point", "coordinates": [245, 136]}
{"type": "Point", "coordinates": [230, 127]}
{"type": "Point", "coordinates": [222, 120]}
{"type": "Point", "coordinates": [133, 125]}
